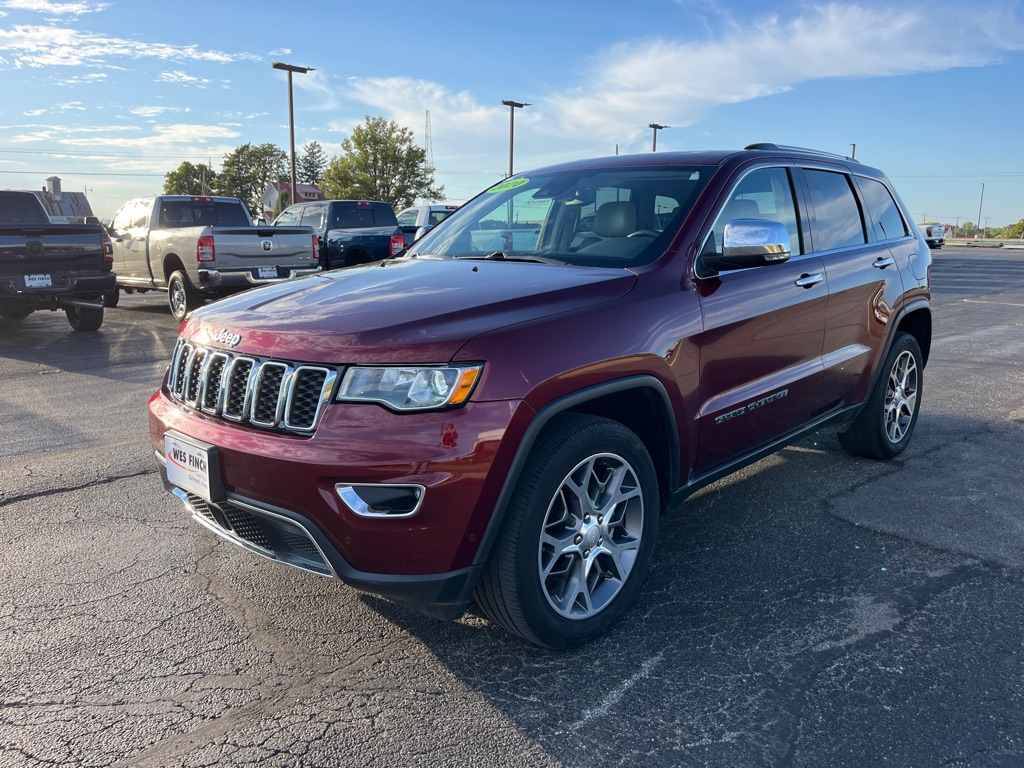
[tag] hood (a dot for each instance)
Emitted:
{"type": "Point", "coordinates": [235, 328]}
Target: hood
{"type": "Point", "coordinates": [398, 311]}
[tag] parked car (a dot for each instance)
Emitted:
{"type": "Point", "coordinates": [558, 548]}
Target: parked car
{"type": "Point", "coordinates": [422, 217]}
{"type": "Point", "coordinates": [199, 248]}
{"type": "Point", "coordinates": [348, 232]}
{"type": "Point", "coordinates": [509, 425]}
{"type": "Point", "coordinates": [51, 266]}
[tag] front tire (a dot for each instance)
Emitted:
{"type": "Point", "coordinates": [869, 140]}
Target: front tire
{"type": "Point", "coordinates": [182, 298]}
{"type": "Point", "coordinates": [885, 425]}
{"type": "Point", "coordinates": [111, 298]}
{"type": "Point", "coordinates": [84, 319]}
{"type": "Point", "coordinates": [578, 535]}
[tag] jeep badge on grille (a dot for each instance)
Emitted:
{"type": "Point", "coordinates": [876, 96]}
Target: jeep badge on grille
{"type": "Point", "coordinates": [229, 338]}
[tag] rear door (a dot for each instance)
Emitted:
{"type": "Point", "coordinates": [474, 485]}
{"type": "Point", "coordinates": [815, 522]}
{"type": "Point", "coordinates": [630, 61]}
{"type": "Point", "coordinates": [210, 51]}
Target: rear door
{"type": "Point", "coordinates": [760, 350]}
{"type": "Point", "coordinates": [863, 279]}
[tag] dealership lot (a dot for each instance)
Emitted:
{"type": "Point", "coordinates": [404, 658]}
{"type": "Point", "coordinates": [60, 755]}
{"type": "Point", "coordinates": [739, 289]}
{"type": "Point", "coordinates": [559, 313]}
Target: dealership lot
{"type": "Point", "coordinates": [814, 609]}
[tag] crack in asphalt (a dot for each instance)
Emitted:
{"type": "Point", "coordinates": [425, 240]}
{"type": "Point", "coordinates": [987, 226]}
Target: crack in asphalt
{"type": "Point", "coordinates": [72, 488]}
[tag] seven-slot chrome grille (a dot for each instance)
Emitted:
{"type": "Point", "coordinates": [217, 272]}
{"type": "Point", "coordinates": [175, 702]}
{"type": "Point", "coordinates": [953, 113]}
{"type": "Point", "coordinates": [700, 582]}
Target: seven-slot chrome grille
{"type": "Point", "coordinates": [272, 394]}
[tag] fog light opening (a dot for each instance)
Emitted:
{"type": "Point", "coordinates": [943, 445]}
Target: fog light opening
{"type": "Point", "coordinates": [381, 500]}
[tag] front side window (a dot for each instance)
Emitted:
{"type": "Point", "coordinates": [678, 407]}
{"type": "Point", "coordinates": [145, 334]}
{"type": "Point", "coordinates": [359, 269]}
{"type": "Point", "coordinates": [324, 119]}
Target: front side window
{"type": "Point", "coordinates": [607, 216]}
{"type": "Point", "coordinates": [407, 218]}
{"type": "Point", "coordinates": [837, 222]}
{"type": "Point", "coordinates": [887, 223]}
{"type": "Point", "coordinates": [765, 193]}
{"type": "Point", "coordinates": [313, 216]}
{"type": "Point", "coordinates": [289, 217]}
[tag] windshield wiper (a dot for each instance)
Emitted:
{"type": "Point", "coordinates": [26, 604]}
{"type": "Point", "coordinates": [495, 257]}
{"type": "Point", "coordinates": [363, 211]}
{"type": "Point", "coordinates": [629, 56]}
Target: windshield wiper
{"type": "Point", "coordinates": [504, 256]}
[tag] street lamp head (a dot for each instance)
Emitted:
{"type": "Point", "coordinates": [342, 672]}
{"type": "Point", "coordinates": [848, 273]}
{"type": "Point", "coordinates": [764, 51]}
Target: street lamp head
{"type": "Point", "coordinates": [291, 67]}
{"type": "Point", "coordinates": [509, 103]}
{"type": "Point", "coordinates": [658, 127]}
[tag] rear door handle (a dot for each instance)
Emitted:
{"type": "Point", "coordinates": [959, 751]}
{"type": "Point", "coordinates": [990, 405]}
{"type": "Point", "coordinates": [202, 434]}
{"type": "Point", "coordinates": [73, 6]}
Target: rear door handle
{"type": "Point", "coordinates": [807, 281]}
{"type": "Point", "coordinates": [882, 263]}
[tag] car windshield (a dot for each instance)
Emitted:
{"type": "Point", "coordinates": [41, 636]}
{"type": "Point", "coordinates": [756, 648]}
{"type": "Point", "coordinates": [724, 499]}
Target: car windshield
{"type": "Point", "coordinates": [612, 216]}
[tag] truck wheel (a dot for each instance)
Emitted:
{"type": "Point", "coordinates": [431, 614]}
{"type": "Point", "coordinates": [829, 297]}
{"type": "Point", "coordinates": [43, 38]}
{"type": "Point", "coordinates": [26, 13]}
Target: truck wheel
{"type": "Point", "coordinates": [110, 298]}
{"type": "Point", "coordinates": [577, 537]}
{"type": "Point", "coordinates": [182, 298]}
{"type": "Point", "coordinates": [884, 426]}
{"type": "Point", "coordinates": [15, 313]}
{"type": "Point", "coordinates": [84, 318]}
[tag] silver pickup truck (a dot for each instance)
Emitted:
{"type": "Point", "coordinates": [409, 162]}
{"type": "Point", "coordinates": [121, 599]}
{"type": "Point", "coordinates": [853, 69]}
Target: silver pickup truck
{"type": "Point", "coordinates": [199, 248]}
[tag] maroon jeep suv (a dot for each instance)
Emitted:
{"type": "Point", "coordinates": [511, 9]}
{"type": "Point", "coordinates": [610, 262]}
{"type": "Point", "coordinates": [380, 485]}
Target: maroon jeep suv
{"type": "Point", "coordinates": [503, 412]}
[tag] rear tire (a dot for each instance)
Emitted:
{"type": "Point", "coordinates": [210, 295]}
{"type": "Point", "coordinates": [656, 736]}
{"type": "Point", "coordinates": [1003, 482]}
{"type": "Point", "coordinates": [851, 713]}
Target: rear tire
{"type": "Point", "coordinates": [577, 537]}
{"type": "Point", "coordinates": [885, 425]}
{"type": "Point", "coordinates": [84, 318]}
{"type": "Point", "coordinates": [110, 298]}
{"type": "Point", "coordinates": [182, 298]}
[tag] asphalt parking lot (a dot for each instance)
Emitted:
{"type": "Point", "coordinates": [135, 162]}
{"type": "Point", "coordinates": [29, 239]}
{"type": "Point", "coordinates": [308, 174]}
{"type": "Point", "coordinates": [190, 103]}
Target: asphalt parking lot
{"type": "Point", "coordinates": [813, 610]}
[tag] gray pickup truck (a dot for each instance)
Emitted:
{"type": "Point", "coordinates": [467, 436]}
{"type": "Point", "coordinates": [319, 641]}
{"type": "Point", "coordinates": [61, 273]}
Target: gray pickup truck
{"type": "Point", "coordinates": [51, 266]}
{"type": "Point", "coordinates": [199, 248]}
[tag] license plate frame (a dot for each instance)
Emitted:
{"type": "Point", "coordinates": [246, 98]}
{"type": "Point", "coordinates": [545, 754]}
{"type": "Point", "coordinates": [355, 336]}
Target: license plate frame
{"type": "Point", "coordinates": [266, 273]}
{"type": "Point", "coordinates": [193, 466]}
{"type": "Point", "coordinates": [38, 281]}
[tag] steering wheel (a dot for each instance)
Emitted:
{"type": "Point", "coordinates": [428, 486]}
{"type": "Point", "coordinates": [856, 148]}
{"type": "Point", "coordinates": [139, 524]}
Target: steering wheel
{"type": "Point", "coordinates": [644, 233]}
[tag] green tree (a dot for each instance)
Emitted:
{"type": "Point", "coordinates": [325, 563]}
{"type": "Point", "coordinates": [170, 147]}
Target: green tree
{"type": "Point", "coordinates": [189, 179]}
{"type": "Point", "coordinates": [249, 170]}
{"type": "Point", "coordinates": [312, 165]}
{"type": "Point", "coordinates": [380, 162]}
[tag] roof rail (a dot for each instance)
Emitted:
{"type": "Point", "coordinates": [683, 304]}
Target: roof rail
{"type": "Point", "coordinates": [770, 146]}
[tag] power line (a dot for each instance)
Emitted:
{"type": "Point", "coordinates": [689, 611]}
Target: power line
{"type": "Point", "coordinates": [84, 173]}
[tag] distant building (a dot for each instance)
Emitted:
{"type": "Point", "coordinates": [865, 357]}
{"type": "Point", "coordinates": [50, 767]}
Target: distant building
{"type": "Point", "coordinates": [63, 207]}
{"type": "Point", "coordinates": [272, 202]}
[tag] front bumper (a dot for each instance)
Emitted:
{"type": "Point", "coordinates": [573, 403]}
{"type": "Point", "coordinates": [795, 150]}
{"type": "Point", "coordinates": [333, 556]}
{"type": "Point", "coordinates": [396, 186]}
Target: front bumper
{"type": "Point", "coordinates": [281, 499]}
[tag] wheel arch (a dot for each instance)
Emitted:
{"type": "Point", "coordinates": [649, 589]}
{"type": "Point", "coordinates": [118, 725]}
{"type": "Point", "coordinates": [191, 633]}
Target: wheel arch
{"type": "Point", "coordinates": [641, 403]}
{"type": "Point", "coordinates": [172, 264]}
{"type": "Point", "coordinates": [916, 320]}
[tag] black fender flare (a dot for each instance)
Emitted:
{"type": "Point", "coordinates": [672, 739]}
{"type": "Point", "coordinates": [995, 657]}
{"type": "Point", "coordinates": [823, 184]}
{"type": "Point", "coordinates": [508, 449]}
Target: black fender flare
{"type": "Point", "coordinates": [561, 405]}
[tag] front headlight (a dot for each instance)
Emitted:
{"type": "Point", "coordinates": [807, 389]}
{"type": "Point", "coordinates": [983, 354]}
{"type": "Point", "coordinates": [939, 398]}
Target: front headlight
{"type": "Point", "coordinates": [410, 388]}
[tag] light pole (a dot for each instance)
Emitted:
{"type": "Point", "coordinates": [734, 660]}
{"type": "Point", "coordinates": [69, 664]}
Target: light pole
{"type": "Point", "coordinates": [289, 68]}
{"type": "Point", "coordinates": [656, 127]}
{"type": "Point", "coordinates": [512, 105]}
{"type": "Point", "coordinates": [980, 203]}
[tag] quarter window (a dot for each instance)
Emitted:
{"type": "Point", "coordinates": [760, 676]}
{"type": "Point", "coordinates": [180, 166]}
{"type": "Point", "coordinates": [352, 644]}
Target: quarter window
{"type": "Point", "coordinates": [837, 221]}
{"type": "Point", "coordinates": [887, 224]}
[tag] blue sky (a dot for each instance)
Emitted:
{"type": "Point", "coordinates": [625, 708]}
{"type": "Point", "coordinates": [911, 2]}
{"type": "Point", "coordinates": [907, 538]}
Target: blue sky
{"type": "Point", "coordinates": [112, 95]}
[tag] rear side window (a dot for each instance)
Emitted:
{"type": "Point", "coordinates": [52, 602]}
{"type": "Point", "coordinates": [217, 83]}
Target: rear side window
{"type": "Point", "coordinates": [407, 218]}
{"type": "Point", "coordinates": [887, 223]}
{"type": "Point", "coordinates": [436, 217]}
{"type": "Point", "coordinates": [175, 214]}
{"type": "Point", "coordinates": [356, 216]}
{"type": "Point", "coordinates": [21, 209]}
{"type": "Point", "coordinates": [837, 221]}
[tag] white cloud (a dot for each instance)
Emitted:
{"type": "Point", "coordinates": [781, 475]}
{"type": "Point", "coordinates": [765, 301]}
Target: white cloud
{"type": "Point", "coordinates": [680, 82]}
{"type": "Point", "coordinates": [162, 136]}
{"type": "Point", "coordinates": [33, 112]}
{"type": "Point", "coordinates": [95, 77]}
{"type": "Point", "coordinates": [39, 46]}
{"type": "Point", "coordinates": [183, 78]}
{"type": "Point", "coordinates": [48, 6]}
{"type": "Point", "coordinates": [153, 111]}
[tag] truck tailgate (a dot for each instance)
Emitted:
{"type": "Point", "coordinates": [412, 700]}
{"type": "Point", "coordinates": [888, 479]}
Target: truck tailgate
{"type": "Point", "coordinates": [263, 246]}
{"type": "Point", "coordinates": [59, 251]}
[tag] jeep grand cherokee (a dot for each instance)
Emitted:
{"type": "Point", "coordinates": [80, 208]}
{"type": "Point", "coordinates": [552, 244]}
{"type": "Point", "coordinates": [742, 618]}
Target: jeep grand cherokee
{"type": "Point", "coordinates": [504, 412]}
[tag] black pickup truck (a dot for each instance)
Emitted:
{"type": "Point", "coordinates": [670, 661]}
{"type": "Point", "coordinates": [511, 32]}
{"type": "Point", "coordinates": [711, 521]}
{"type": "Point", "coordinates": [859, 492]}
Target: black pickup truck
{"type": "Point", "coordinates": [349, 231]}
{"type": "Point", "coordinates": [51, 266]}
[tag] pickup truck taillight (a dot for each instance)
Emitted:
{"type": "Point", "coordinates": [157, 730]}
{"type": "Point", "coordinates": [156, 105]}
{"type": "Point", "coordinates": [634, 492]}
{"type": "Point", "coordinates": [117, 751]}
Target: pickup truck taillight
{"type": "Point", "coordinates": [204, 248]}
{"type": "Point", "coordinates": [108, 249]}
{"type": "Point", "coordinates": [316, 248]}
{"type": "Point", "coordinates": [397, 243]}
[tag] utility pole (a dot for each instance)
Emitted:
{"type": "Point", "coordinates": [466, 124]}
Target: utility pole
{"type": "Point", "coordinates": [981, 202]}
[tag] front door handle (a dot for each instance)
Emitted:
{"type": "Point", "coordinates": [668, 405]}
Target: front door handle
{"type": "Point", "coordinates": [807, 281]}
{"type": "Point", "coordinates": [884, 262]}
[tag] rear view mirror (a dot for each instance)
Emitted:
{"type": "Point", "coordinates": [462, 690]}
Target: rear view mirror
{"type": "Point", "coordinates": [750, 243]}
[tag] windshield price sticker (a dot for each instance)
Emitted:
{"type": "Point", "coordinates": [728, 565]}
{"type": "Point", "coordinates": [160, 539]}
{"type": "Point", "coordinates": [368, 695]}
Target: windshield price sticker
{"type": "Point", "coordinates": [507, 185]}
{"type": "Point", "coordinates": [38, 281]}
{"type": "Point", "coordinates": [188, 466]}
{"type": "Point", "coordinates": [268, 272]}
